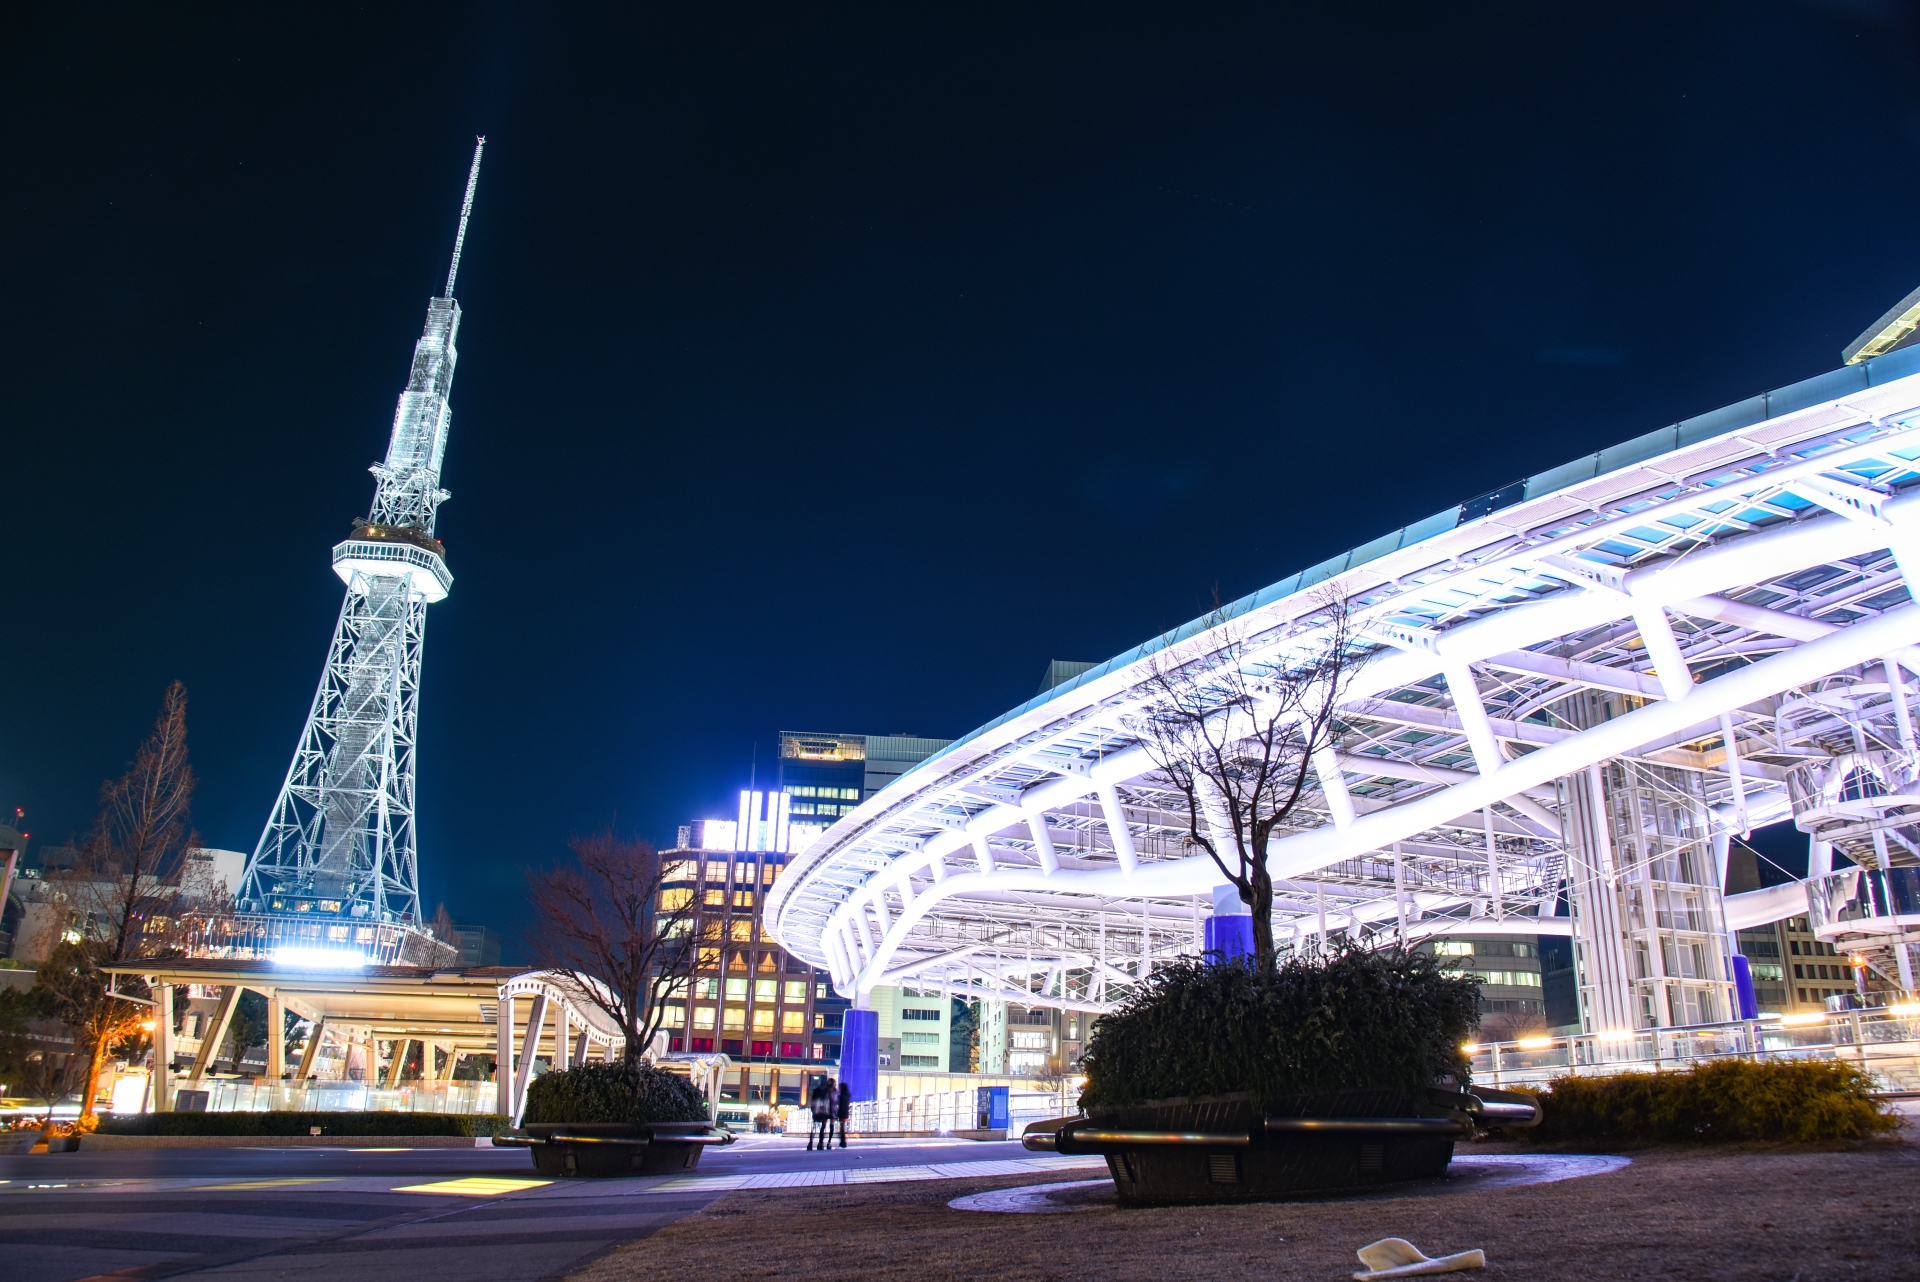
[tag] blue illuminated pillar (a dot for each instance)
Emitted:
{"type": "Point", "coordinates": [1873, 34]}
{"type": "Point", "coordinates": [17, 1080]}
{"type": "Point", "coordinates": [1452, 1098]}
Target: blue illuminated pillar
{"type": "Point", "coordinates": [1743, 988]}
{"type": "Point", "coordinates": [1230, 930]}
{"type": "Point", "coordinates": [860, 1054]}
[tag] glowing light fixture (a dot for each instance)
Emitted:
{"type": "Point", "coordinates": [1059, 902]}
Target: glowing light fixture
{"type": "Point", "coordinates": [1795, 1021]}
{"type": "Point", "coordinates": [320, 958]}
{"type": "Point", "coordinates": [1535, 1043]}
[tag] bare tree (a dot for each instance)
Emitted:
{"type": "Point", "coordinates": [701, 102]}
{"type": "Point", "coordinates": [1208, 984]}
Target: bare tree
{"type": "Point", "coordinates": [1236, 730]}
{"type": "Point", "coordinates": [131, 893]}
{"type": "Point", "coordinates": [606, 922]}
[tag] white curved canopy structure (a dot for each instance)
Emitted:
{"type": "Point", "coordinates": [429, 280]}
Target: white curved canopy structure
{"type": "Point", "coordinates": [1729, 595]}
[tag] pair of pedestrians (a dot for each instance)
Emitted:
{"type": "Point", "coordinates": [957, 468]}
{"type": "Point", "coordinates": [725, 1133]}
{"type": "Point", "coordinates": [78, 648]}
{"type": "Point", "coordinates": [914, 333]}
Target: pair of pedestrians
{"type": "Point", "coordinates": [828, 1105]}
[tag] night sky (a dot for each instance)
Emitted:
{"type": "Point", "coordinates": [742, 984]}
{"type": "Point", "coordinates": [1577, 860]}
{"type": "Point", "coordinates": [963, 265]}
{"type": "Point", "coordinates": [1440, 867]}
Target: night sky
{"type": "Point", "coordinates": [835, 367]}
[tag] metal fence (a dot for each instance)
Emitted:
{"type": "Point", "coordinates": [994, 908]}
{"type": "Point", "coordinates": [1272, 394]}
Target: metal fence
{"type": "Point", "coordinates": [1885, 1043]}
{"type": "Point", "coordinates": [937, 1113]}
{"type": "Point", "coordinates": [343, 1097]}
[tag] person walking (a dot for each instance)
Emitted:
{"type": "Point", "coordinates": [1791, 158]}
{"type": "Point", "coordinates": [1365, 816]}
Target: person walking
{"type": "Point", "coordinates": [820, 1104]}
{"type": "Point", "coordinates": [843, 1105]}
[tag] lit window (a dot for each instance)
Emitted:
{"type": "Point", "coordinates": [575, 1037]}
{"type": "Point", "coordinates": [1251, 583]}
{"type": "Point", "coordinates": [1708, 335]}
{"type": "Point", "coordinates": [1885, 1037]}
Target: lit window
{"type": "Point", "coordinates": [765, 990]}
{"type": "Point", "coordinates": [796, 991]}
{"type": "Point", "coordinates": [743, 899]}
{"type": "Point", "coordinates": [820, 1021]}
{"type": "Point", "coordinates": [675, 1016]}
{"type": "Point", "coordinates": [1453, 948]}
{"type": "Point", "coordinates": [736, 1019]}
{"type": "Point", "coordinates": [703, 1017]}
{"type": "Point", "coordinates": [743, 930]}
{"type": "Point", "coordinates": [674, 900]}
{"type": "Point", "coordinates": [716, 899]}
{"type": "Point", "coordinates": [819, 990]}
{"type": "Point", "coordinates": [769, 873]}
{"type": "Point", "coordinates": [736, 990]}
{"type": "Point", "coordinates": [763, 1021]}
{"type": "Point", "coordinates": [793, 1021]}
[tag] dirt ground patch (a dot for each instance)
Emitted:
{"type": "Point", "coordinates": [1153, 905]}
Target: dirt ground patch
{"type": "Point", "coordinates": [1733, 1213]}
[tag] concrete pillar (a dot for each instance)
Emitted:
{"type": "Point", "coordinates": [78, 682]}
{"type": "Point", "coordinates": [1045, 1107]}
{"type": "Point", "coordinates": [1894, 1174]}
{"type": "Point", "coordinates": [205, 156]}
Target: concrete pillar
{"type": "Point", "coordinates": [161, 1088]}
{"type": "Point", "coordinates": [276, 1037]}
{"type": "Point", "coordinates": [503, 1057]}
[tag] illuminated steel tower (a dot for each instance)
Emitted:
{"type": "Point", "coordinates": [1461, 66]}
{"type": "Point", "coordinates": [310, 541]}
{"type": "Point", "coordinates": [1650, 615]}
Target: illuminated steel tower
{"type": "Point", "coordinates": [339, 846]}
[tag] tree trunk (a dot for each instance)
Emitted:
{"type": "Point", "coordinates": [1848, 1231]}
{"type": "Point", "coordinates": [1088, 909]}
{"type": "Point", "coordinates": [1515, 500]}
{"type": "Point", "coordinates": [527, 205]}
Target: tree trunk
{"type": "Point", "coordinates": [90, 1089]}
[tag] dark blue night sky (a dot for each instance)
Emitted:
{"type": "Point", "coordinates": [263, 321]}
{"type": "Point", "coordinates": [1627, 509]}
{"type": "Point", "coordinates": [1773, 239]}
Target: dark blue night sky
{"type": "Point", "coordinates": [835, 367]}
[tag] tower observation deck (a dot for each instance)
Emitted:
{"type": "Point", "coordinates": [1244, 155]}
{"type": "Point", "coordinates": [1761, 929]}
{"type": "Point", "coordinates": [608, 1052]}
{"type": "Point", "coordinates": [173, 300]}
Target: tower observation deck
{"type": "Point", "coordinates": [1576, 691]}
{"type": "Point", "coordinates": [337, 867]}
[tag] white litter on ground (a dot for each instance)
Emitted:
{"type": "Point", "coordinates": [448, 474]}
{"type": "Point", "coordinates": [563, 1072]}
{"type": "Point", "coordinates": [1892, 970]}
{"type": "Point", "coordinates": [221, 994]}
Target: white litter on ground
{"type": "Point", "coordinates": [1395, 1257]}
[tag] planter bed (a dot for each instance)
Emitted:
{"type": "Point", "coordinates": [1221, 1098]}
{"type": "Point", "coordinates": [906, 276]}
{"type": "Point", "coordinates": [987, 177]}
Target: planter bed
{"type": "Point", "coordinates": [614, 1148]}
{"type": "Point", "coordinates": [1219, 1149]}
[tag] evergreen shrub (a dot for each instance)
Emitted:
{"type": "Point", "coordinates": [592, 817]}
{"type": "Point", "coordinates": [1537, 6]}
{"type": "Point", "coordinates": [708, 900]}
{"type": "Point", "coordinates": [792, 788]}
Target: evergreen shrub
{"type": "Point", "coordinates": [1351, 1019]}
{"type": "Point", "coordinates": [1725, 1099]}
{"type": "Point", "coordinates": [469, 1124]}
{"type": "Point", "coordinates": [634, 1094]}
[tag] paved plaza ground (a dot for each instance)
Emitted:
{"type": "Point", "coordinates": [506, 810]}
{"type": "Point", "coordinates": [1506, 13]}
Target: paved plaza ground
{"type": "Point", "coordinates": [1745, 1213]}
{"type": "Point", "coordinates": [766, 1208]}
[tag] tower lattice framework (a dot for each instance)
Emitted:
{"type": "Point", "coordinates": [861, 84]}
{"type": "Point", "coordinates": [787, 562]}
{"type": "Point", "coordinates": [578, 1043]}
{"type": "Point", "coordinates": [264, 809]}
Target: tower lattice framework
{"type": "Point", "coordinates": [340, 843]}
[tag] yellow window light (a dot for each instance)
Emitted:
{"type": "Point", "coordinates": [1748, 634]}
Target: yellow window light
{"type": "Point", "coordinates": [1535, 1043]}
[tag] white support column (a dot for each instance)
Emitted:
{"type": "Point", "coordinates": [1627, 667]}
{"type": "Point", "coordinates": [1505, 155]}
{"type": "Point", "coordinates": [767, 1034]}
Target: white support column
{"type": "Point", "coordinates": [938, 867]}
{"type": "Point", "coordinates": [397, 1065]}
{"type": "Point", "coordinates": [1902, 715]}
{"type": "Point", "coordinates": [1732, 746]}
{"type": "Point", "coordinates": [563, 1037]}
{"type": "Point", "coordinates": [310, 1053]}
{"type": "Point", "coordinates": [1320, 902]}
{"type": "Point", "coordinates": [1400, 892]}
{"type": "Point", "coordinates": [1473, 717]}
{"type": "Point", "coordinates": [1493, 866]}
{"type": "Point", "coordinates": [214, 1033]}
{"type": "Point", "coordinates": [1333, 786]}
{"type": "Point", "coordinates": [1819, 858]}
{"type": "Point", "coordinates": [1676, 679]}
{"type": "Point", "coordinates": [1043, 842]}
{"type": "Point", "coordinates": [982, 853]}
{"type": "Point", "coordinates": [503, 1057]}
{"type": "Point", "coordinates": [160, 1085]}
{"type": "Point", "coordinates": [1117, 830]}
{"type": "Point", "coordinates": [529, 1047]}
{"type": "Point", "coordinates": [276, 1037]}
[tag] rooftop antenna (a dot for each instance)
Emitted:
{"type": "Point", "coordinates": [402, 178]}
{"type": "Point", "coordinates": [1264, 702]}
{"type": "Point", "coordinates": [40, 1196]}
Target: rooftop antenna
{"type": "Point", "coordinates": [466, 211]}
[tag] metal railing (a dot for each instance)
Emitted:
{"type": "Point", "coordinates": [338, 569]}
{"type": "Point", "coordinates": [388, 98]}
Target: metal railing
{"type": "Point", "coordinates": [1885, 1043]}
{"type": "Point", "coordinates": [343, 1097]}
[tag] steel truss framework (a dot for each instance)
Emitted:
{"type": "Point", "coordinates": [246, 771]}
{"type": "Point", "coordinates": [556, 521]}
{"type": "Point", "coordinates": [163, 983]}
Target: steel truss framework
{"type": "Point", "coordinates": [340, 841]}
{"type": "Point", "coordinates": [1735, 588]}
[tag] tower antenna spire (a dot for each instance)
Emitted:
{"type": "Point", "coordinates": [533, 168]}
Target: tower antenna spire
{"type": "Point", "coordinates": [466, 211]}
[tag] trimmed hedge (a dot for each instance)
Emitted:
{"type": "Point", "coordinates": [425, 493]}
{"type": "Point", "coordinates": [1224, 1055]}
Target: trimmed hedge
{"type": "Point", "coordinates": [1727, 1099]}
{"type": "Point", "coordinates": [470, 1124]}
{"type": "Point", "coordinates": [635, 1094]}
{"type": "Point", "coordinates": [1351, 1019]}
